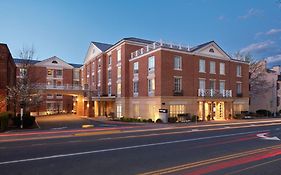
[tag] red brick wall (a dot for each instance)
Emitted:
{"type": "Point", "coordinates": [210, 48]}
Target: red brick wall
{"type": "Point", "coordinates": [7, 73]}
{"type": "Point", "coordinates": [164, 74]}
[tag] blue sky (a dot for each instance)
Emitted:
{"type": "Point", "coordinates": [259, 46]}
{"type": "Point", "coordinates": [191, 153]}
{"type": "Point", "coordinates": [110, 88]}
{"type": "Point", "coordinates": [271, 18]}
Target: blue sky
{"type": "Point", "coordinates": [65, 28]}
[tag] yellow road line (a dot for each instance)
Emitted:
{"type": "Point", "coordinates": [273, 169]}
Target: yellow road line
{"type": "Point", "coordinates": [209, 161]}
{"type": "Point", "coordinates": [97, 133]}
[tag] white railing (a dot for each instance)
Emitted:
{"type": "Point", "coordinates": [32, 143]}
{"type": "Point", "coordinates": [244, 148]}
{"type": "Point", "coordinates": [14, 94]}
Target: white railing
{"type": "Point", "coordinates": [156, 45]}
{"type": "Point", "coordinates": [60, 87]}
{"type": "Point", "coordinates": [214, 93]}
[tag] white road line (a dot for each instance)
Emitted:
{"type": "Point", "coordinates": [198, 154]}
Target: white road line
{"type": "Point", "coordinates": [227, 127]}
{"type": "Point", "coordinates": [125, 148]}
{"type": "Point", "coordinates": [59, 128]}
{"type": "Point", "coordinates": [195, 130]}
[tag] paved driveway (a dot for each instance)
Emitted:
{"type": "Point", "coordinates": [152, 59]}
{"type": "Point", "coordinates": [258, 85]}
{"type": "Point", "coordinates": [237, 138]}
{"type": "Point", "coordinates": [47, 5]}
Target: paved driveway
{"type": "Point", "coordinates": [67, 121]}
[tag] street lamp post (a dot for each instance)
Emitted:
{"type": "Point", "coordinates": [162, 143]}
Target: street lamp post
{"type": "Point", "coordinates": [21, 113]}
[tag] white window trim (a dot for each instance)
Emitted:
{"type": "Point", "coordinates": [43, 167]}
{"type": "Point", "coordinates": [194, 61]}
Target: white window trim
{"type": "Point", "coordinates": [204, 66]}
{"type": "Point", "coordinates": [214, 67]}
{"type": "Point", "coordinates": [180, 63]}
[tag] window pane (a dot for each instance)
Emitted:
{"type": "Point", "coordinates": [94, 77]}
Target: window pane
{"type": "Point", "coordinates": [222, 68]}
{"type": "Point", "coordinates": [201, 65]}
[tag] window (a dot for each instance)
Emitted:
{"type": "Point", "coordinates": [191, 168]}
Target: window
{"type": "Point", "coordinates": [238, 71]}
{"type": "Point", "coordinates": [201, 65]}
{"type": "Point", "coordinates": [151, 64]}
{"type": "Point", "coordinates": [119, 72]}
{"type": "Point", "coordinates": [222, 68]}
{"type": "Point", "coordinates": [177, 63]}
{"type": "Point", "coordinates": [59, 96]}
{"type": "Point", "coordinates": [119, 89]}
{"type": "Point", "coordinates": [211, 50]}
{"type": "Point", "coordinates": [93, 78]}
{"type": "Point", "coordinates": [23, 72]}
{"type": "Point", "coordinates": [99, 63]}
{"type": "Point", "coordinates": [119, 55]}
{"type": "Point", "coordinates": [59, 73]}
{"type": "Point", "coordinates": [176, 109]}
{"type": "Point", "coordinates": [151, 86]}
{"type": "Point", "coordinates": [202, 84]}
{"type": "Point", "coordinates": [136, 87]}
{"type": "Point", "coordinates": [76, 74]}
{"type": "Point", "coordinates": [119, 110]}
{"type": "Point", "coordinates": [239, 88]}
{"type": "Point", "coordinates": [109, 90]}
{"type": "Point", "coordinates": [109, 60]}
{"type": "Point", "coordinates": [109, 75]}
{"type": "Point", "coordinates": [54, 62]}
{"type": "Point", "coordinates": [93, 68]}
{"type": "Point", "coordinates": [178, 84]}
{"type": "Point", "coordinates": [213, 84]}
{"type": "Point", "coordinates": [49, 96]}
{"type": "Point", "coordinates": [212, 67]}
{"type": "Point", "coordinates": [222, 86]}
{"type": "Point", "coordinates": [99, 76]}
{"type": "Point", "coordinates": [50, 72]}
{"type": "Point", "coordinates": [136, 67]}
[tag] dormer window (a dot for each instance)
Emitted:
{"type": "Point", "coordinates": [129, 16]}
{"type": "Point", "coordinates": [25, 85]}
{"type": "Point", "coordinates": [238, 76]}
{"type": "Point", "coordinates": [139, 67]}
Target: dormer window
{"type": "Point", "coordinates": [211, 50]}
{"type": "Point", "coordinates": [54, 62]}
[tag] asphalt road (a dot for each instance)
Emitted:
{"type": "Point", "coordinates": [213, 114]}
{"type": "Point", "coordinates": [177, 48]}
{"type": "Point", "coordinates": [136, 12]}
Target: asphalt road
{"type": "Point", "coordinates": [244, 149]}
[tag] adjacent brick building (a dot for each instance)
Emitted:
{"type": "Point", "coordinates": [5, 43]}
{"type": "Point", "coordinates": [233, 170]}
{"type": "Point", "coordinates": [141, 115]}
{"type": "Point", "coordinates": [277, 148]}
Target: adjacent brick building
{"type": "Point", "coordinates": [136, 78]}
{"type": "Point", "coordinates": [7, 75]}
{"type": "Point", "coordinates": [52, 77]}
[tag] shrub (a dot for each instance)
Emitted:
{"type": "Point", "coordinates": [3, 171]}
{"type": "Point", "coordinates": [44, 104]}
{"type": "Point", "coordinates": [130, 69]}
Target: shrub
{"type": "Point", "coordinates": [172, 119]}
{"type": "Point", "coordinates": [144, 120]}
{"type": "Point", "coordinates": [150, 120]}
{"type": "Point", "coordinates": [263, 112]}
{"type": "Point", "coordinates": [159, 121]}
{"type": "Point", "coordinates": [28, 121]}
{"type": "Point", "coordinates": [194, 118]}
{"type": "Point", "coordinates": [238, 116]}
{"type": "Point", "coordinates": [4, 120]}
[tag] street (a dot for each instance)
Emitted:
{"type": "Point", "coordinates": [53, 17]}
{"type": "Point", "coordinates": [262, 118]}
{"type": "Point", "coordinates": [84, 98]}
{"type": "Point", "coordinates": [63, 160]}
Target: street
{"type": "Point", "coordinates": [220, 149]}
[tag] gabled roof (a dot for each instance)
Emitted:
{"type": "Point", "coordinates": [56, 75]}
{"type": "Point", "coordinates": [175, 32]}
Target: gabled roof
{"type": "Point", "coordinates": [21, 61]}
{"type": "Point", "coordinates": [200, 46]}
{"type": "Point", "coordinates": [102, 46]}
{"type": "Point", "coordinates": [139, 40]}
{"type": "Point", "coordinates": [76, 65]}
{"type": "Point", "coordinates": [205, 45]}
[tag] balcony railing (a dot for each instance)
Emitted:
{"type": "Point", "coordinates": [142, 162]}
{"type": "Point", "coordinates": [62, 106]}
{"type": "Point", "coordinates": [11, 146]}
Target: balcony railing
{"type": "Point", "coordinates": [60, 87]}
{"type": "Point", "coordinates": [214, 93]}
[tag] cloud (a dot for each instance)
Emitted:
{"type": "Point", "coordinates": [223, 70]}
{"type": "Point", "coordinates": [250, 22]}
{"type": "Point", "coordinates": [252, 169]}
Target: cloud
{"type": "Point", "coordinates": [273, 59]}
{"type": "Point", "coordinates": [250, 13]}
{"type": "Point", "coordinates": [273, 31]}
{"type": "Point", "coordinates": [257, 47]}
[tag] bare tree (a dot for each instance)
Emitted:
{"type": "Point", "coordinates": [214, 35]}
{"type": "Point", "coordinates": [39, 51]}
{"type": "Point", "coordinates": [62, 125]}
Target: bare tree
{"type": "Point", "coordinates": [2, 102]}
{"type": "Point", "coordinates": [24, 92]}
{"type": "Point", "coordinates": [257, 71]}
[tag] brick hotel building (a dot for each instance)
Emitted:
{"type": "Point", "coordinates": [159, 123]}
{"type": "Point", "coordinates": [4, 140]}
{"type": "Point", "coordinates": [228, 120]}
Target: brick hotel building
{"type": "Point", "coordinates": [136, 78]}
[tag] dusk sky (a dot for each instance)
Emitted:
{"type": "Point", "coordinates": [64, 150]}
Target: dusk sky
{"type": "Point", "coordinates": [65, 28]}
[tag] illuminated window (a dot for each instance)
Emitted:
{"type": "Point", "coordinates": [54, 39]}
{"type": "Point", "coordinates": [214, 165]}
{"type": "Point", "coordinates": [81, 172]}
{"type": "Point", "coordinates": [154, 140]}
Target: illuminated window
{"type": "Point", "coordinates": [50, 72]}
{"type": "Point", "coordinates": [119, 72]}
{"type": "Point", "coordinates": [118, 89]}
{"type": "Point", "coordinates": [176, 109]}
